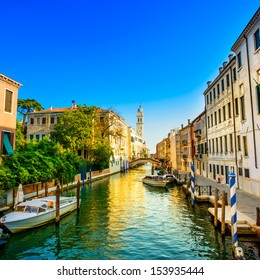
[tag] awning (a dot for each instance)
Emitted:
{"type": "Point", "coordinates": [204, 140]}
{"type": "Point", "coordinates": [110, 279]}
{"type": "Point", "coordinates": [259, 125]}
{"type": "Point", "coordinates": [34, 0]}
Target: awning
{"type": "Point", "coordinates": [7, 145]}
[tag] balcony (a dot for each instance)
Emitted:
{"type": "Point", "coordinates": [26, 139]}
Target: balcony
{"type": "Point", "coordinates": [184, 142]}
{"type": "Point", "coordinates": [198, 133]}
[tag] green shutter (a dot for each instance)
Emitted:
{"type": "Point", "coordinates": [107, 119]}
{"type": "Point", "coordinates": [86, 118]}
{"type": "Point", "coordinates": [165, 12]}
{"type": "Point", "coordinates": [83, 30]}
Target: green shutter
{"type": "Point", "coordinates": [7, 145]}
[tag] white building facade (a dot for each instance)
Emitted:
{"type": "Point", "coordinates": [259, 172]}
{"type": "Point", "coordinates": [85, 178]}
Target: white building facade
{"type": "Point", "coordinates": [247, 105]}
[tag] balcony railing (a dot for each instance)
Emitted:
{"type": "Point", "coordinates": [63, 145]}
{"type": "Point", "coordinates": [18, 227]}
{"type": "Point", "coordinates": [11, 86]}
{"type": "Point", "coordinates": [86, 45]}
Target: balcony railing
{"type": "Point", "coordinates": [198, 133]}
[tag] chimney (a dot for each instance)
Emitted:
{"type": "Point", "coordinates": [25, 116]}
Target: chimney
{"type": "Point", "coordinates": [209, 83]}
{"type": "Point", "coordinates": [181, 126]}
{"type": "Point", "coordinates": [188, 121]}
{"type": "Point", "coordinates": [73, 106]}
{"type": "Point", "coordinates": [230, 56]}
{"type": "Point", "coordinates": [50, 108]}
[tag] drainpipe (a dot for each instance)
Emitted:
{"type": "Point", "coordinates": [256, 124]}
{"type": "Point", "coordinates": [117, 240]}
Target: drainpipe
{"type": "Point", "coordinates": [251, 100]}
{"type": "Point", "coordinates": [234, 122]}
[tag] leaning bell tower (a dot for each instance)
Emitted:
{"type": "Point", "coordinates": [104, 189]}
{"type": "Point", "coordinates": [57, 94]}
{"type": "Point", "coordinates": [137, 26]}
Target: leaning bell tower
{"type": "Point", "coordinates": [140, 121]}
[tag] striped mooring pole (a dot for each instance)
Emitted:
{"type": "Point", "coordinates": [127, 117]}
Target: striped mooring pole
{"type": "Point", "coordinates": [192, 183]}
{"type": "Point", "coordinates": [238, 251]}
{"type": "Point", "coordinates": [90, 174]}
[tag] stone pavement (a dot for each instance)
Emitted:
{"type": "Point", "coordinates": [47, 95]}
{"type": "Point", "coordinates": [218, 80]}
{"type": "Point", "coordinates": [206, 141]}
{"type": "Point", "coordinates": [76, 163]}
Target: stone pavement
{"type": "Point", "coordinates": [246, 203]}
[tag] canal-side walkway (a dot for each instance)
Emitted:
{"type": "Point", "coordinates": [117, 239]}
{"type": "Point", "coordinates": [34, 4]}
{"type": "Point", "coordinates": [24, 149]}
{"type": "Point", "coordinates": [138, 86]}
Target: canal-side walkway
{"type": "Point", "coordinates": [246, 206]}
{"type": "Point", "coordinates": [246, 203]}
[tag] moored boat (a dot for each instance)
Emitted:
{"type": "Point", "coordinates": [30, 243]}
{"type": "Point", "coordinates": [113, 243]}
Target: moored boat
{"type": "Point", "coordinates": [36, 212]}
{"type": "Point", "coordinates": [155, 181]}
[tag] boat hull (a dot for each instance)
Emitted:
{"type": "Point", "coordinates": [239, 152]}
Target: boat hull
{"type": "Point", "coordinates": [32, 220]}
{"type": "Point", "coordinates": [155, 183]}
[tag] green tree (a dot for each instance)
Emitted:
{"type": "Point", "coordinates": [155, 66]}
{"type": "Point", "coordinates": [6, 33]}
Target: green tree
{"type": "Point", "coordinates": [102, 152]}
{"type": "Point", "coordinates": [25, 106]}
{"type": "Point", "coordinates": [74, 131]}
{"type": "Point", "coordinates": [19, 137]}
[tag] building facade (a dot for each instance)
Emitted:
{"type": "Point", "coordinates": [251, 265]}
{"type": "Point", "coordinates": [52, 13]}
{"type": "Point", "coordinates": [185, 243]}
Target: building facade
{"type": "Point", "coordinates": [247, 106]}
{"type": "Point", "coordinates": [200, 145]}
{"type": "Point", "coordinates": [8, 108]}
{"type": "Point", "coordinates": [175, 150]}
{"type": "Point", "coordinates": [220, 122]}
{"type": "Point", "coordinates": [186, 147]}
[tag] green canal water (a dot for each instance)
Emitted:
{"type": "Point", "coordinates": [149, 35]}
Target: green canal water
{"type": "Point", "coordinates": [122, 219]}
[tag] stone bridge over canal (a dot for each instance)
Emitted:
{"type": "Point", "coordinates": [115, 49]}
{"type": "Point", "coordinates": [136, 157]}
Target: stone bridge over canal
{"type": "Point", "coordinates": [139, 161]}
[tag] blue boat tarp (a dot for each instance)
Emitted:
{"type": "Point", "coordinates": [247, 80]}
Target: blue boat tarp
{"type": "Point", "coordinates": [7, 145]}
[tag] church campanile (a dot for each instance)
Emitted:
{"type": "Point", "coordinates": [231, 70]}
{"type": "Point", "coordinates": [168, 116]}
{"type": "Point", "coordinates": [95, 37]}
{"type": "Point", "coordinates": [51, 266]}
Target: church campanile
{"type": "Point", "coordinates": [140, 121]}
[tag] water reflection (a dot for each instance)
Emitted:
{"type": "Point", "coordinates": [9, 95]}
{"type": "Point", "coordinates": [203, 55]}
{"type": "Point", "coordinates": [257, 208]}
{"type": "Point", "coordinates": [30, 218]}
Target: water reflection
{"type": "Point", "coordinates": [120, 218]}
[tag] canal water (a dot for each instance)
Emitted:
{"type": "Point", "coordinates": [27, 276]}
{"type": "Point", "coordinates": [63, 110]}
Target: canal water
{"type": "Point", "coordinates": [122, 219]}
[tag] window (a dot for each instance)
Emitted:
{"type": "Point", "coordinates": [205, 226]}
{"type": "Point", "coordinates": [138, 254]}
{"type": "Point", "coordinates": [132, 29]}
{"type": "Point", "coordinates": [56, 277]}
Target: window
{"type": "Point", "coordinates": [218, 90]}
{"type": "Point", "coordinates": [209, 146]}
{"type": "Point", "coordinates": [240, 171]}
{"type": "Point", "coordinates": [245, 146]}
{"type": "Point", "coordinates": [31, 136]}
{"type": "Point", "coordinates": [219, 115]}
{"type": "Point", "coordinates": [214, 93]}
{"type": "Point", "coordinates": [247, 173]}
{"type": "Point", "coordinates": [222, 85]}
{"type": "Point", "coordinates": [224, 113]}
{"type": "Point", "coordinates": [43, 120]}
{"type": "Point", "coordinates": [235, 73]}
{"type": "Point", "coordinates": [208, 123]}
{"type": "Point", "coordinates": [229, 110]}
{"type": "Point", "coordinates": [257, 39]}
{"type": "Point", "coordinates": [8, 101]}
{"type": "Point", "coordinates": [236, 106]}
{"type": "Point", "coordinates": [239, 60]}
{"type": "Point", "coordinates": [210, 97]}
{"type": "Point", "coordinates": [221, 144]}
{"type": "Point", "coordinates": [217, 145]}
{"type": "Point", "coordinates": [222, 169]}
{"type": "Point", "coordinates": [31, 121]}
{"type": "Point", "coordinates": [217, 169]}
{"type": "Point", "coordinates": [242, 103]}
{"type": "Point", "coordinates": [215, 116]}
{"type": "Point", "coordinates": [210, 168]}
{"type": "Point", "coordinates": [258, 98]}
{"type": "Point", "coordinates": [8, 142]}
{"type": "Point", "coordinates": [231, 142]}
{"type": "Point", "coordinates": [52, 120]}
{"type": "Point", "coordinates": [207, 98]}
{"type": "Point", "coordinates": [228, 80]}
{"type": "Point", "coordinates": [225, 143]}
{"type": "Point", "coordinates": [212, 120]}
{"type": "Point", "coordinates": [238, 143]}
{"type": "Point", "coordinates": [37, 136]}
{"type": "Point", "coordinates": [213, 146]}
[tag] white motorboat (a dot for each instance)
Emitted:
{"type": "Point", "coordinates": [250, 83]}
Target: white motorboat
{"type": "Point", "coordinates": [155, 181]}
{"type": "Point", "coordinates": [36, 212]}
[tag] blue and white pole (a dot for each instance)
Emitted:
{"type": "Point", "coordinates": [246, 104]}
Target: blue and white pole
{"type": "Point", "coordinates": [90, 174]}
{"type": "Point", "coordinates": [192, 183]}
{"type": "Point", "coordinates": [233, 206]}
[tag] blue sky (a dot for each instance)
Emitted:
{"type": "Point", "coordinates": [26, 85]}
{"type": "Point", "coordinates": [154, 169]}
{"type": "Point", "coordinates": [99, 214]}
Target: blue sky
{"type": "Point", "coordinates": [120, 54]}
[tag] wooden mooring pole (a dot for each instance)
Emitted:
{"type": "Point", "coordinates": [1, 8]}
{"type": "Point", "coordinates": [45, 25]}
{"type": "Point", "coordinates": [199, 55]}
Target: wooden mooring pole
{"type": "Point", "coordinates": [46, 188]}
{"type": "Point", "coordinates": [257, 216]}
{"type": "Point", "coordinates": [223, 214]}
{"type": "Point", "coordinates": [57, 204]}
{"type": "Point", "coordinates": [216, 208]}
